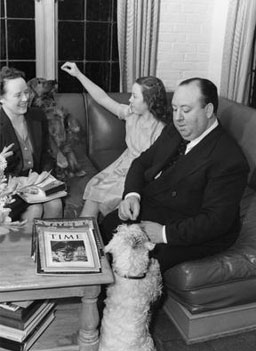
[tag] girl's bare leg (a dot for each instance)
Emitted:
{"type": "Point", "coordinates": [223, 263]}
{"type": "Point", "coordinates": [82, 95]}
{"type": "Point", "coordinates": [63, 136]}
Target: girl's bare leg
{"type": "Point", "coordinates": [90, 209]}
{"type": "Point", "coordinates": [32, 212]}
{"type": "Point", "coordinates": [53, 209]}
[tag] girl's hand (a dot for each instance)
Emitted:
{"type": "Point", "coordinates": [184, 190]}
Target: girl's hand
{"type": "Point", "coordinates": [71, 68]}
{"type": "Point", "coordinates": [6, 151]}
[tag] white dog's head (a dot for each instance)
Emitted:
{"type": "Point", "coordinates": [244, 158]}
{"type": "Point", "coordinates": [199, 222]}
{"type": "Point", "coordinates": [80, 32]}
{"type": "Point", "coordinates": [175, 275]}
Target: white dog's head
{"type": "Point", "coordinates": [129, 248]}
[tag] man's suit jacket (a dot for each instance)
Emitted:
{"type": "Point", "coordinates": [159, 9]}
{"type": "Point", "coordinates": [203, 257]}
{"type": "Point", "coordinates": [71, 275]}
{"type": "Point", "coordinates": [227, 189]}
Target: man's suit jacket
{"type": "Point", "coordinates": [38, 131]}
{"type": "Point", "coordinates": [197, 199]}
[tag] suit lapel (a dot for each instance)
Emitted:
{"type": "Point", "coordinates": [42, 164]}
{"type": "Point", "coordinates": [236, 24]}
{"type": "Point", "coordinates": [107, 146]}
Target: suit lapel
{"type": "Point", "coordinates": [191, 162]}
{"type": "Point", "coordinates": [164, 153]}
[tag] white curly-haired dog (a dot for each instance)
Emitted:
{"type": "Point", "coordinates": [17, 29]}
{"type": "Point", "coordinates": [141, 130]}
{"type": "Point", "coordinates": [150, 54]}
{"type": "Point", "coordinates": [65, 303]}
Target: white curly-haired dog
{"type": "Point", "coordinates": [138, 283]}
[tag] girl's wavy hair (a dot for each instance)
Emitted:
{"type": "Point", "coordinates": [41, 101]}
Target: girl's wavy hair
{"type": "Point", "coordinates": [154, 95]}
{"type": "Point", "coordinates": [8, 73]}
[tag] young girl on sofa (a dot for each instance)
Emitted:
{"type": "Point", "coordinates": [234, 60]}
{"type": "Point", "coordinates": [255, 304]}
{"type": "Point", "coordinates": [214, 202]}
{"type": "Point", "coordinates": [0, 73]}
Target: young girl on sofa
{"type": "Point", "coordinates": [145, 117]}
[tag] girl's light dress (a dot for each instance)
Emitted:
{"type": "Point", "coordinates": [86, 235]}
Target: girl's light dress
{"type": "Point", "coordinates": [107, 187]}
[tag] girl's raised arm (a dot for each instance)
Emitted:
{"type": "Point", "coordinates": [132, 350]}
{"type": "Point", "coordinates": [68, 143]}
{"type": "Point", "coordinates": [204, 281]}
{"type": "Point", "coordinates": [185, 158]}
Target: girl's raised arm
{"type": "Point", "coordinates": [97, 93]}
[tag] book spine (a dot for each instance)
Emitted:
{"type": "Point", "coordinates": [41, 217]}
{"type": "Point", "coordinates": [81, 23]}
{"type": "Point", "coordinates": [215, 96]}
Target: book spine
{"type": "Point", "coordinates": [55, 190]}
{"type": "Point", "coordinates": [21, 324]}
{"type": "Point", "coordinates": [18, 315]}
{"type": "Point", "coordinates": [22, 313]}
{"type": "Point", "coordinates": [10, 322]}
{"type": "Point", "coordinates": [20, 335]}
{"type": "Point", "coordinates": [11, 345]}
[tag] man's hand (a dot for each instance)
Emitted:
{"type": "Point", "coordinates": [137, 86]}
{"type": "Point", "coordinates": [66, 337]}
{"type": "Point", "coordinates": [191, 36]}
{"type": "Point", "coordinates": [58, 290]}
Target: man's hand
{"type": "Point", "coordinates": [129, 208]}
{"type": "Point", "coordinates": [154, 231]}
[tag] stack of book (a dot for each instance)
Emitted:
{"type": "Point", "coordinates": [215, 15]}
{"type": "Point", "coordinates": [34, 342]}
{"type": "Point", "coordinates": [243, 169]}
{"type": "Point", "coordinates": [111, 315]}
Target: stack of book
{"type": "Point", "coordinates": [21, 324]}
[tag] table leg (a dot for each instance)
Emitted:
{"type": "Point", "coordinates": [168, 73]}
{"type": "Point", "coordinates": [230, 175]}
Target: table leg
{"type": "Point", "coordinates": [89, 320]}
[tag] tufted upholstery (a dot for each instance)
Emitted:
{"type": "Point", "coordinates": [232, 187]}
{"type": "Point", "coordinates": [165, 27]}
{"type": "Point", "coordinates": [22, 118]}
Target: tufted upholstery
{"type": "Point", "coordinates": [222, 280]}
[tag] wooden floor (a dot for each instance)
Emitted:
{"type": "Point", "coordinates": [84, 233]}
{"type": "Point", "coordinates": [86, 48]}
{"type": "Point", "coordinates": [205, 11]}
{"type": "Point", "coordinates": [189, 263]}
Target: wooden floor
{"type": "Point", "coordinates": [61, 335]}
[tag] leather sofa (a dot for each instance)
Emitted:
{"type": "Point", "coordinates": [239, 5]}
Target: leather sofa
{"type": "Point", "coordinates": [205, 298]}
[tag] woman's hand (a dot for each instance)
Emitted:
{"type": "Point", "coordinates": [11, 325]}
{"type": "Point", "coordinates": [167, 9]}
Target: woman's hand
{"type": "Point", "coordinates": [6, 152]}
{"type": "Point", "coordinates": [71, 68]}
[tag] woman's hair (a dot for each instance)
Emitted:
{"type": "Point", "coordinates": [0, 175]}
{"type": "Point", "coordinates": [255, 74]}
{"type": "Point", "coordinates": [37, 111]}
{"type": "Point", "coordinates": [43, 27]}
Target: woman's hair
{"type": "Point", "coordinates": [8, 73]}
{"type": "Point", "coordinates": [154, 95]}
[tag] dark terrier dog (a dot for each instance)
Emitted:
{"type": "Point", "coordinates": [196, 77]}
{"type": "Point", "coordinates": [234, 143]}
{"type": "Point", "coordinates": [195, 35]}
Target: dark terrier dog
{"type": "Point", "coordinates": [63, 128]}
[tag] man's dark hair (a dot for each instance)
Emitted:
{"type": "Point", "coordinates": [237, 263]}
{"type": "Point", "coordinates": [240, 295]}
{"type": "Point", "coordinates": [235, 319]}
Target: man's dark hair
{"type": "Point", "coordinates": [208, 90]}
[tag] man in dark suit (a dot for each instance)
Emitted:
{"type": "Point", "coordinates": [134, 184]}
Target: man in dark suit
{"type": "Point", "coordinates": [188, 204]}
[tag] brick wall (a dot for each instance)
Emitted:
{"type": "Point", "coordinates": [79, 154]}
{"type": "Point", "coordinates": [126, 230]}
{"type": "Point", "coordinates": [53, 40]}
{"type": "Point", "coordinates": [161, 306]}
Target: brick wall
{"type": "Point", "coordinates": [186, 40]}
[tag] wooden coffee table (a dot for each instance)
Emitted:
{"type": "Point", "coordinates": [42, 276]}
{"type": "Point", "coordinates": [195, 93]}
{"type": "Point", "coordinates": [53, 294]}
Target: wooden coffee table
{"type": "Point", "coordinates": [19, 282]}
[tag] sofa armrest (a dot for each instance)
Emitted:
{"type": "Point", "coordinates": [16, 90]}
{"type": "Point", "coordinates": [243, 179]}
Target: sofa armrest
{"type": "Point", "coordinates": [222, 279]}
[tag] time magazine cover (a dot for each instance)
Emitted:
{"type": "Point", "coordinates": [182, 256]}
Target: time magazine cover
{"type": "Point", "coordinates": [67, 246]}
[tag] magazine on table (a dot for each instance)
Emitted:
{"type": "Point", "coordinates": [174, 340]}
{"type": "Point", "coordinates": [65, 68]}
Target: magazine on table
{"type": "Point", "coordinates": [64, 246]}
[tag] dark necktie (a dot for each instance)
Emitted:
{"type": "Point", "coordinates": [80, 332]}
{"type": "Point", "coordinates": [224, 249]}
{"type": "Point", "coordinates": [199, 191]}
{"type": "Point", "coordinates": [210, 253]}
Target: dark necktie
{"type": "Point", "coordinates": [173, 160]}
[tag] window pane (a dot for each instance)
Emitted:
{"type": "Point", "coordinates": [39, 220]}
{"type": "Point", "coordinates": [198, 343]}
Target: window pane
{"type": "Point", "coordinates": [115, 77]}
{"type": "Point", "coordinates": [71, 10]}
{"type": "Point", "coordinates": [2, 14]}
{"type": "Point", "coordinates": [68, 84]}
{"type": "Point", "coordinates": [21, 39]}
{"type": "Point", "coordinates": [99, 10]}
{"type": "Point", "coordinates": [115, 44]}
{"type": "Point", "coordinates": [20, 8]}
{"type": "Point", "coordinates": [99, 73]}
{"type": "Point", "coordinates": [28, 67]}
{"type": "Point", "coordinates": [98, 37]}
{"type": "Point", "coordinates": [71, 41]}
{"type": "Point", "coordinates": [2, 46]}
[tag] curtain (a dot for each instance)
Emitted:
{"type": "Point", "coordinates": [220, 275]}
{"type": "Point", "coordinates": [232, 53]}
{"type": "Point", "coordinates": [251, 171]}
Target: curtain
{"type": "Point", "coordinates": [45, 22]}
{"type": "Point", "coordinates": [138, 24]}
{"type": "Point", "coordinates": [237, 53]}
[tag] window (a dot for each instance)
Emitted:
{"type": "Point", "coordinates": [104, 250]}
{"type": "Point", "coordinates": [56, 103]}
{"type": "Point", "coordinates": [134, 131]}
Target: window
{"type": "Point", "coordinates": [87, 34]}
{"type": "Point", "coordinates": [85, 31]}
{"type": "Point", "coordinates": [18, 35]}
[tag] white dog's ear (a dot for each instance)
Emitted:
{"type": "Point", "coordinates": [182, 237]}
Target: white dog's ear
{"type": "Point", "coordinates": [149, 245]}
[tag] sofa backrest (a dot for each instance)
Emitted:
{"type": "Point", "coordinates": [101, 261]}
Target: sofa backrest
{"type": "Point", "coordinates": [105, 133]}
{"type": "Point", "coordinates": [240, 121]}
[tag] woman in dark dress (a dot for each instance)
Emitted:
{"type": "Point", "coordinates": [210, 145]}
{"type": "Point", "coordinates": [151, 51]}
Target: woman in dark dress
{"type": "Point", "coordinates": [25, 128]}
